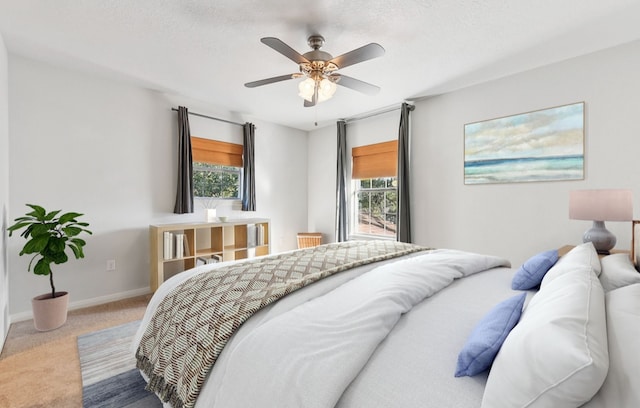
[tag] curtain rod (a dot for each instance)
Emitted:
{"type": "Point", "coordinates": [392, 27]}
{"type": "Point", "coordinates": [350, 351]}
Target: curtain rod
{"type": "Point", "coordinates": [211, 117]}
{"type": "Point", "coordinates": [371, 114]}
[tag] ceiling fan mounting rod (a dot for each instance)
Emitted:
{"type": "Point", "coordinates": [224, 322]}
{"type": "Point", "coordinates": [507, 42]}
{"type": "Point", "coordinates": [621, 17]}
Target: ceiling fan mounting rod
{"type": "Point", "coordinates": [315, 41]}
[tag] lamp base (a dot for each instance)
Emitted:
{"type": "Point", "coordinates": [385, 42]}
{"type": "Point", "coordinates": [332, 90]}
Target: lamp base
{"type": "Point", "coordinates": [601, 238]}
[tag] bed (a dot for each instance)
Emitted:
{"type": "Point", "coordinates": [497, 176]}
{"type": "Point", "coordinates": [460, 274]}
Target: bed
{"type": "Point", "coordinates": [393, 332]}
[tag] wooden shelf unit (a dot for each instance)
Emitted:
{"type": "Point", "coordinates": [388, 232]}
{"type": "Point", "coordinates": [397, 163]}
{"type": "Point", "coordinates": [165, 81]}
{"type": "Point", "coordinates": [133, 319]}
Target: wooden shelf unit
{"type": "Point", "coordinates": [228, 241]}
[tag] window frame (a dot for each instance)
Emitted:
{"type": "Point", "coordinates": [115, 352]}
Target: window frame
{"type": "Point", "coordinates": [356, 188]}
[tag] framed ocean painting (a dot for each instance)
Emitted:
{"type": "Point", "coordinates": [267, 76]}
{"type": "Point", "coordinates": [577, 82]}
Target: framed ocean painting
{"type": "Point", "coordinates": [543, 145]}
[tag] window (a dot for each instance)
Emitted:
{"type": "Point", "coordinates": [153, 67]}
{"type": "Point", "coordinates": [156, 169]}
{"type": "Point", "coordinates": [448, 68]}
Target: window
{"type": "Point", "coordinates": [211, 180]}
{"type": "Point", "coordinates": [375, 193]}
{"type": "Point", "coordinates": [217, 168]}
{"type": "Point", "coordinates": [376, 206]}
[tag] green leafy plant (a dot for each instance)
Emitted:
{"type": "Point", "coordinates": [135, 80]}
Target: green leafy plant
{"type": "Point", "coordinates": [48, 237]}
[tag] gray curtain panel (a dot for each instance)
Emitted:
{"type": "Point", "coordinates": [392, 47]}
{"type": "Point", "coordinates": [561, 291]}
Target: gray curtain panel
{"type": "Point", "coordinates": [249, 170]}
{"type": "Point", "coordinates": [342, 233]}
{"type": "Point", "coordinates": [403, 227]}
{"type": "Point", "coordinates": [184, 195]}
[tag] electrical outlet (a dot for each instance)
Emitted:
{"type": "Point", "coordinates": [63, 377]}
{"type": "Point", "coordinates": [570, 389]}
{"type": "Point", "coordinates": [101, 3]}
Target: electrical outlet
{"type": "Point", "coordinates": [111, 265]}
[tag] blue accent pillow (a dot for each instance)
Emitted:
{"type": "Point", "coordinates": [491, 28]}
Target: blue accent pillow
{"type": "Point", "coordinates": [487, 337]}
{"type": "Point", "coordinates": [530, 274]}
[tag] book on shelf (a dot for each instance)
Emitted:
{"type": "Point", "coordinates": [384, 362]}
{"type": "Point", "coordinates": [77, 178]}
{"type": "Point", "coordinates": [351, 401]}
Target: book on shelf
{"type": "Point", "coordinates": [252, 235]}
{"type": "Point", "coordinates": [255, 235]}
{"type": "Point", "coordinates": [179, 245]}
{"type": "Point", "coordinates": [260, 235]}
{"type": "Point", "coordinates": [205, 260]}
{"type": "Point", "coordinates": [187, 251]}
{"type": "Point", "coordinates": [175, 245]}
{"type": "Point", "coordinates": [167, 245]}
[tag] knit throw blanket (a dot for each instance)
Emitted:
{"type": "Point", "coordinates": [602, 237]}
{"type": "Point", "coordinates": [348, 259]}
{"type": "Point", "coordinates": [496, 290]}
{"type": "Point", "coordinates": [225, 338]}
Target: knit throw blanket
{"type": "Point", "coordinates": [194, 322]}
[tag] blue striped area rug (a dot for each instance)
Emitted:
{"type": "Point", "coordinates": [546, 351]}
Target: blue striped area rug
{"type": "Point", "coordinates": [109, 376]}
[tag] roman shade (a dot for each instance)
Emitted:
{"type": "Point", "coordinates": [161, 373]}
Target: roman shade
{"type": "Point", "coordinates": [375, 160]}
{"type": "Point", "coordinates": [216, 152]}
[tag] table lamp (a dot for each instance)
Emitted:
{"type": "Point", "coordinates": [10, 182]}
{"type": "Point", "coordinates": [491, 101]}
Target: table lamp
{"type": "Point", "coordinates": [600, 206]}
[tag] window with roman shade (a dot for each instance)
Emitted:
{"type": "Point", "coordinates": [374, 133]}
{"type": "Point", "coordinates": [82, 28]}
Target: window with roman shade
{"type": "Point", "coordinates": [373, 171]}
{"type": "Point", "coordinates": [217, 168]}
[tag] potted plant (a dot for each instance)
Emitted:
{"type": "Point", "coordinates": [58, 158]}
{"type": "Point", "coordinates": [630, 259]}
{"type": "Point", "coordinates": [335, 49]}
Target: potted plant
{"type": "Point", "coordinates": [48, 237]}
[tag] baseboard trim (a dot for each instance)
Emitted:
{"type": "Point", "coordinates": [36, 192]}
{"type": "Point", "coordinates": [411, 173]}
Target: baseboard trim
{"type": "Point", "coordinates": [19, 317]}
{"type": "Point", "coordinates": [3, 339]}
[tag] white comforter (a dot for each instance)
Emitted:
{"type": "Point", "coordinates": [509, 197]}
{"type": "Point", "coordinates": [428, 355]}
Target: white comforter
{"type": "Point", "coordinates": [305, 350]}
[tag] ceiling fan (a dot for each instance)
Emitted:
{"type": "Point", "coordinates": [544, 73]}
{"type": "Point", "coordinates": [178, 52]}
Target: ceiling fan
{"type": "Point", "coordinates": [319, 69]}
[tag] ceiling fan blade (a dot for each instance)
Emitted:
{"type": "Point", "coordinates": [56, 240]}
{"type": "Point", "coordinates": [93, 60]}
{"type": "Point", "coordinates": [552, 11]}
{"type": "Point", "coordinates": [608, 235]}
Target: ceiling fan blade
{"type": "Point", "coordinates": [269, 80]}
{"type": "Point", "coordinates": [356, 84]}
{"type": "Point", "coordinates": [284, 49]}
{"type": "Point", "coordinates": [364, 53]}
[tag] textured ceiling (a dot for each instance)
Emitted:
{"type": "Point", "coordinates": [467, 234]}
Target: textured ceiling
{"type": "Point", "coordinates": [206, 50]}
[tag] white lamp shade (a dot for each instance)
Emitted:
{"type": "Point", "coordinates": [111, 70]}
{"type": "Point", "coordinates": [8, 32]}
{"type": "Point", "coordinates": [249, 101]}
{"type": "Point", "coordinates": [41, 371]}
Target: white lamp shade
{"type": "Point", "coordinates": [306, 89]}
{"type": "Point", "coordinates": [601, 205]}
{"type": "Point", "coordinates": [326, 90]}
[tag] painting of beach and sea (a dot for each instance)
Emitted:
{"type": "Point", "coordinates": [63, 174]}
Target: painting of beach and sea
{"type": "Point", "coordinates": [542, 145]}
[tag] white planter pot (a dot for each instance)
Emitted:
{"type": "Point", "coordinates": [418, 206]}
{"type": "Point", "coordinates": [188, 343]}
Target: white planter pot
{"type": "Point", "coordinates": [210, 214]}
{"type": "Point", "coordinates": [50, 313]}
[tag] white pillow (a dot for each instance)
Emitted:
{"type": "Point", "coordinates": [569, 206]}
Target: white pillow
{"type": "Point", "coordinates": [556, 356]}
{"type": "Point", "coordinates": [618, 271]}
{"type": "Point", "coordinates": [584, 254]}
{"type": "Point", "coordinates": [620, 388]}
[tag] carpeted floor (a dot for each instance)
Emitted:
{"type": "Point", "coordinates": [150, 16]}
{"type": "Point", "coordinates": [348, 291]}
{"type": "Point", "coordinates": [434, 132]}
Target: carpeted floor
{"type": "Point", "coordinates": [42, 369]}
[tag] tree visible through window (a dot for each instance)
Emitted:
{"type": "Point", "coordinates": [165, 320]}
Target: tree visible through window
{"type": "Point", "coordinates": [377, 206]}
{"type": "Point", "coordinates": [211, 180]}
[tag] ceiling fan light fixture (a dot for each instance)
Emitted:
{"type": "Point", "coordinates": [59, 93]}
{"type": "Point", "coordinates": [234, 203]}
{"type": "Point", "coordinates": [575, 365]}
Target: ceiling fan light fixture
{"type": "Point", "coordinates": [306, 89]}
{"type": "Point", "coordinates": [319, 69]}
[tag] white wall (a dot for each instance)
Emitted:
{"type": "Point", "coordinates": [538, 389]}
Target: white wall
{"type": "Point", "coordinates": [376, 129]}
{"type": "Point", "coordinates": [516, 220]}
{"type": "Point", "coordinates": [106, 148]}
{"type": "Point", "coordinates": [4, 193]}
{"type": "Point", "coordinates": [322, 156]}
